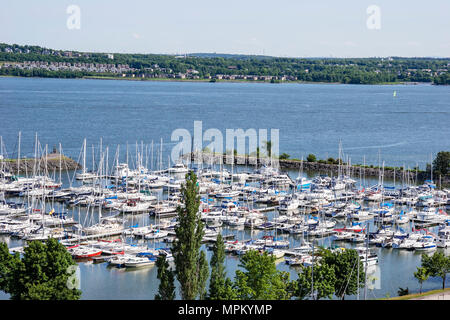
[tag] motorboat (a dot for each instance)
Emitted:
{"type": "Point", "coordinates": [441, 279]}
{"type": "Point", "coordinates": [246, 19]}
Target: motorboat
{"type": "Point", "coordinates": [443, 237]}
{"type": "Point", "coordinates": [139, 262]}
{"type": "Point", "coordinates": [425, 243]}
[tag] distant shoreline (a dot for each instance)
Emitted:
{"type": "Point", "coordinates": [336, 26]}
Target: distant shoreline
{"type": "Point", "coordinates": [220, 81]}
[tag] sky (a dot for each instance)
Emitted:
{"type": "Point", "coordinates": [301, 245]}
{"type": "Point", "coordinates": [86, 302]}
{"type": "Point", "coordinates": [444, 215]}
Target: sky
{"type": "Point", "coordinates": [285, 28]}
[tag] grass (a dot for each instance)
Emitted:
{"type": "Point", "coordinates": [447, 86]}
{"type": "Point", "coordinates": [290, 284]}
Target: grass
{"type": "Point", "coordinates": [418, 295]}
{"type": "Point", "coordinates": [15, 160]}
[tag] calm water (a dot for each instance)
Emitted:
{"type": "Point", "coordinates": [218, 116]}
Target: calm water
{"type": "Point", "coordinates": [311, 119]}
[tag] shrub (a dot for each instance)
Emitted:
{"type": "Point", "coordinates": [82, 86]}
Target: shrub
{"type": "Point", "coordinates": [311, 158]}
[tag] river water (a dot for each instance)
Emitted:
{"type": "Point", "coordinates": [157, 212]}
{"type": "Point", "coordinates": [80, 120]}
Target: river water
{"type": "Point", "coordinates": [370, 122]}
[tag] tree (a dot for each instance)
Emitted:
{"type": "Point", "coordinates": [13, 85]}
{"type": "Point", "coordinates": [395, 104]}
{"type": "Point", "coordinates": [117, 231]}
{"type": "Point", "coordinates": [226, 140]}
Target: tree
{"type": "Point", "coordinates": [203, 275]}
{"type": "Point", "coordinates": [331, 160]}
{"type": "Point", "coordinates": [421, 275]}
{"type": "Point", "coordinates": [324, 282]}
{"type": "Point", "coordinates": [220, 287]}
{"type": "Point", "coordinates": [45, 272]}
{"type": "Point", "coordinates": [284, 156]}
{"type": "Point", "coordinates": [261, 280]}
{"type": "Point", "coordinates": [438, 265]}
{"type": "Point", "coordinates": [7, 264]}
{"type": "Point", "coordinates": [166, 290]}
{"type": "Point", "coordinates": [345, 265]}
{"type": "Point", "coordinates": [441, 164]}
{"type": "Point", "coordinates": [311, 158]}
{"type": "Point", "coordinates": [189, 234]}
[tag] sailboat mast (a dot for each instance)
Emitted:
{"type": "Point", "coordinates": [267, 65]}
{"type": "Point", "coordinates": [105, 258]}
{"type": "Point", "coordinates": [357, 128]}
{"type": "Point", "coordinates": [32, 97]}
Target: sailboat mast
{"type": "Point", "coordinates": [18, 155]}
{"type": "Point", "coordinates": [160, 155]}
{"type": "Point", "coordinates": [60, 163]}
{"type": "Point", "coordinates": [84, 155]}
{"type": "Point", "coordinates": [365, 267]}
{"type": "Point", "coordinates": [431, 166]}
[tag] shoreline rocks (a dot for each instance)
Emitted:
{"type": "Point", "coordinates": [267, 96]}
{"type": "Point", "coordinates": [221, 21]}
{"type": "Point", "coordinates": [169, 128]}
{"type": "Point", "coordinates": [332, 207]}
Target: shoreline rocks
{"type": "Point", "coordinates": [53, 162]}
{"type": "Point", "coordinates": [321, 168]}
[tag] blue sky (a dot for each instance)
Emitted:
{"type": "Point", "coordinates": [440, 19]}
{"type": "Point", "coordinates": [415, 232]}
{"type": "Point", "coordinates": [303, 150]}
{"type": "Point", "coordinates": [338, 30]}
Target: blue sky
{"type": "Point", "coordinates": [294, 28]}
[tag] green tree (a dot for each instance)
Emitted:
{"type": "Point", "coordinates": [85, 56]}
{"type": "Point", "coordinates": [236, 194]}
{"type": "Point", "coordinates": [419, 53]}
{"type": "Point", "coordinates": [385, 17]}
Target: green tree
{"type": "Point", "coordinates": [203, 275]}
{"type": "Point", "coordinates": [284, 156]}
{"type": "Point", "coordinates": [324, 282]}
{"type": "Point", "coordinates": [7, 264]}
{"type": "Point", "coordinates": [45, 272]}
{"type": "Point", "coordinates": [441, 164]}
{"type": "Point", "coordinates": [345, 265]}
{"type": "Point", "coordinates": [331, 160]}
{"type": "Point", "coordinates": [189, 234]}
{"type": "Point", "coordinates": [438, 265]}
{"type": "Point", "coordinates": [421, 275]}
{"type": "Point", "coordinates": [220, 287]}
{"type": "Point", "coordinates": [261, 280]}
{"type": "Point", "coordinates": [166, 290]}
{"type": "Point", "coordinates": [311, 158]}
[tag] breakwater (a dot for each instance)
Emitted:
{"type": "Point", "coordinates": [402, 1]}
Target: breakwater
{"type": "Point", "coordinates": [320, 167]}
{"type": "Point", "coordinates": [50, 163]}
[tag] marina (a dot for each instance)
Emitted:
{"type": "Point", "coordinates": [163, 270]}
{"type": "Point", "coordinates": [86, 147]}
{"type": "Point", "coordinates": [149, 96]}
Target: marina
{"type": "Point", "coordinates": [117, 212]}
{"type": "Point", "coordinates": [115, 215]}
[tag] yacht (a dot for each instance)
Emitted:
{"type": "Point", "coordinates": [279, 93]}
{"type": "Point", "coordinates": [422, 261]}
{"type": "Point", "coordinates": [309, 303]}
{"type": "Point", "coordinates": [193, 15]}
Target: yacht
{"type": "Point", "coordinates": [85, 252]}
{"type": "Point", "coordinates": [156, 234]}
{"type": "Point", "coordinates": [372, 258]}
{"type": "Point", "coordinates": [178, 168]}
{"type": "Point", "coordinates": [235, 221]}
{"type": "Point", "coordinates": [139, 262]}
{"type": "Point", "coordinates": [119, 260]}
{"type": "Point", "coordinates": [425, 243]}
{"type": "Point", "coordinates": [443, 237]}
{"type": "Point", "coordinates": [107, 226]}
{"type": "Point", "coordinates": [288, 204]}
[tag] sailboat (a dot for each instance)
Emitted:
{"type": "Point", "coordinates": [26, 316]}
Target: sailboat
{"type": "Point", "coordinates": [108, 226]}
{"type": "Point", "coordinates": [301, 182]}
{"type": "Point", "coordinates": [84, 175]}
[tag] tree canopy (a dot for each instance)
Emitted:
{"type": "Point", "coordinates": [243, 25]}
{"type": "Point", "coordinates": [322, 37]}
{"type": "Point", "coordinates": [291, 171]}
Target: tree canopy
{"type": "Point", "coordinates": [45, 272]}
{"type": "Point", "coordinates": [332, 70]}
{"type": "Point", "coordinates": [166, 290]}
{"type": "Point", "coordinates": [260, 279]}
{"type": "Point", "coordinates": [441, 164]}
{"type": "Point", "coordinates": [190, 263]}
{"type": "Point", "coordinates": [345, 264]}
{"type": "Point", "coordinates": [437, 265]}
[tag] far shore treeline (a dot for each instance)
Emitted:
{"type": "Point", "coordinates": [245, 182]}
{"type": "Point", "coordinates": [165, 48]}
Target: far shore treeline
{"type": "Point", "coordinates": [223, 67]}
